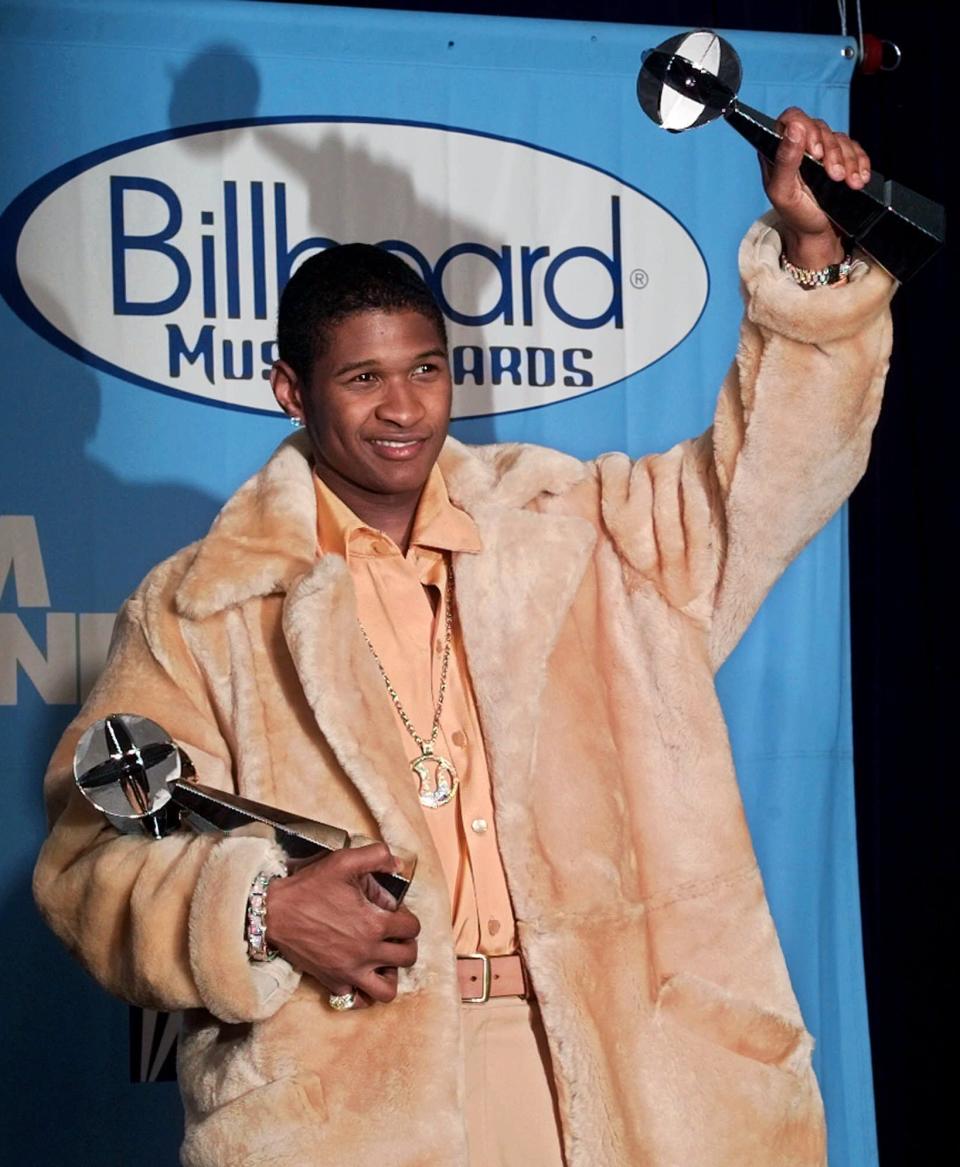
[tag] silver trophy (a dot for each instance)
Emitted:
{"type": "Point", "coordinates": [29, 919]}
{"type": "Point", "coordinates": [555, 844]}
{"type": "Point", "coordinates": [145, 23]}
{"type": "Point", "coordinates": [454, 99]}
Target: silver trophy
{"type": "Point", "coordinates": [132, 771]}
{"type": "Point", "coordinates": [692, 79]}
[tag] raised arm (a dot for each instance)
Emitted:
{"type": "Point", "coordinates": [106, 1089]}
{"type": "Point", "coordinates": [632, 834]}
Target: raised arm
{"type": "Point", "coordinates": [713, 522]}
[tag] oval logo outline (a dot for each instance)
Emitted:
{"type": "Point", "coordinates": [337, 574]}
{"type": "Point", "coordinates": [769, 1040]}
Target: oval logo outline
{"type": "Point", "coordinates": [17, 215]}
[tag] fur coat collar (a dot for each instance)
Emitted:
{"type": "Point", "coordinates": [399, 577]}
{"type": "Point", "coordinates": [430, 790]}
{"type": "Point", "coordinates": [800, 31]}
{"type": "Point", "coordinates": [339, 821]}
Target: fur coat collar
{"type": "Point", "coordinates": [264, 543]}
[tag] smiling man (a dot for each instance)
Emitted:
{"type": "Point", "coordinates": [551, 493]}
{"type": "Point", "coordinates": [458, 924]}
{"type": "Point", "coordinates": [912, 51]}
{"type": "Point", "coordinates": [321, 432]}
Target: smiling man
{"type": "Point", "coordinates": [503, 660]}
{"type": "Point", "coordinates": [373, 388]}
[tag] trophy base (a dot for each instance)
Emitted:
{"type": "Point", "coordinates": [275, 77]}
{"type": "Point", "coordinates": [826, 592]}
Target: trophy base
{"type": "Point", "coordinates": [207, 809]}
{"type": "Point", "coordinates": [894, 225]}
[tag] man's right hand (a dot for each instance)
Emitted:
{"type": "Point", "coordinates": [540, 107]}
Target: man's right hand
{"type": "Point", "coordinates": [333, 921]}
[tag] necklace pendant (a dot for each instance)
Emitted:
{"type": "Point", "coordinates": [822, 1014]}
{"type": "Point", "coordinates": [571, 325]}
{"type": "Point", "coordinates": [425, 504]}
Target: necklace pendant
{"type": "Point", "coordinates": [438, 788]}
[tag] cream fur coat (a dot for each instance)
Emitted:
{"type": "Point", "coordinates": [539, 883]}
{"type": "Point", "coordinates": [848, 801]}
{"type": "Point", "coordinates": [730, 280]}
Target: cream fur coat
{"type": "Point", "coordinates": [605, 597]}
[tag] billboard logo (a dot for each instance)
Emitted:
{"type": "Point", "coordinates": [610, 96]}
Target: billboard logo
{"type": "Point", "coordinates": [161, 259]}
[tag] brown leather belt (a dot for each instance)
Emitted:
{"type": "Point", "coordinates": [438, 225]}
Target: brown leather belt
{"type": "Point", "coordinates": [482, 977]}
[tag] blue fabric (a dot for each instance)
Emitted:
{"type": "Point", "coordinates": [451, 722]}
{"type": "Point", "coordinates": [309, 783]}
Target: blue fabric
{"type": "Point", "coordinates": [113, 474]}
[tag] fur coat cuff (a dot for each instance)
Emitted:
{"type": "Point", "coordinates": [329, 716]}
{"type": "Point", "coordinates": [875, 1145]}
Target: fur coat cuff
{"type": "Point", "coordinates": [233, 987]}
{"type": "Point", "coordinates": [776, 302]}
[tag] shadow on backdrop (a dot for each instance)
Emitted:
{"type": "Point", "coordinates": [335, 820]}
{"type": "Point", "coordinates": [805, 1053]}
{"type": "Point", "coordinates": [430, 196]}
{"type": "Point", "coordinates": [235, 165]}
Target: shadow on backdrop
{"type": "Point", "coordinates": [100, 533]}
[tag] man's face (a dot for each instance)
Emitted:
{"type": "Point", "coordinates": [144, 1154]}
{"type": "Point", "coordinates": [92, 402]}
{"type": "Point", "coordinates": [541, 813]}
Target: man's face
{"type": "Point", "coordinates": [376, 405]}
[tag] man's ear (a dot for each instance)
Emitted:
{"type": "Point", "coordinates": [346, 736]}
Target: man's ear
{"type": "Point", "coordinates": [286, 389]}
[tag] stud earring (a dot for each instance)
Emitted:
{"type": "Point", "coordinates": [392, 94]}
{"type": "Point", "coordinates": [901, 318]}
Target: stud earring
{"type": "Point", "coordinates": [296, 422]}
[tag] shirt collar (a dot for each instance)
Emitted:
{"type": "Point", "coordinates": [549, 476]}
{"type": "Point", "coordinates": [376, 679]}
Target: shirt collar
{"type": "Point", "coordinates": [437, 523]}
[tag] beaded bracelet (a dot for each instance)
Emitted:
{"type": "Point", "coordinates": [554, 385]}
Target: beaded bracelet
{"type": "Point", "coordinates": [255, 933]}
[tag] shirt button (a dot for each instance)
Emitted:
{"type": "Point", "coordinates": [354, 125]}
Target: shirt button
{"type": "Point", "coordinates": [381, 548]}
{"type": "Point", "coordinates": [493, 927]}
{"type": "Point", "coordinates": [459, 738]}
{"type": "Point", "coordinates": [479, 826]}
{"type": "Point", "coordinates": [438, 647]}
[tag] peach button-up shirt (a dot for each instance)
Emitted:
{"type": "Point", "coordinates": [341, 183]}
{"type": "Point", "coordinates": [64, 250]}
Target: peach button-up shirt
{"type": "Point", "coordinates": [401, 603]}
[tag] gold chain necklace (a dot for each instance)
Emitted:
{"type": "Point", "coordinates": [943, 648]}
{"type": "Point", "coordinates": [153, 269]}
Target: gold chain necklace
{"type": "Point", "coordinates": [438, 788]}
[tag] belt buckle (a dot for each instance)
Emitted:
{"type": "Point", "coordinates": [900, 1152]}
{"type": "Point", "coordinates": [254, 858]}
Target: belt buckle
{"type": "Point", "coordinates": [484, 979]}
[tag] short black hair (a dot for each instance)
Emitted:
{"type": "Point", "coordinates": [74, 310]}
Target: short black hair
{"type": "Point", "coordinates": [339, 282]}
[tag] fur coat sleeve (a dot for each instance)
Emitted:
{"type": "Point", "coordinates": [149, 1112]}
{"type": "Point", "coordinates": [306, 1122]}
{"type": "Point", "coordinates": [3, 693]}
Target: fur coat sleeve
{"type": "Point", "coordinates": [158, 923]}
{"type": "Point", "coordinates": [713, 522]}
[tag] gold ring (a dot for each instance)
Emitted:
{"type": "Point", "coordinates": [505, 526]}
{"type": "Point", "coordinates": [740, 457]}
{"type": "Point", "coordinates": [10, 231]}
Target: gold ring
{"type": "Point", "coordinates": [343, 1001]}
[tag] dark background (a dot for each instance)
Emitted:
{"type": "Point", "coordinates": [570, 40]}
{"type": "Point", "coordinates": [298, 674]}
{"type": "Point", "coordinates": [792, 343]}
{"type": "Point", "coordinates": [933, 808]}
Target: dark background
{"type": "Point", "coordinates": [903, 527]}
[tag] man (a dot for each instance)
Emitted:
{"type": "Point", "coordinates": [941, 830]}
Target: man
{"type": "Point", "coordinates": [501, 659]}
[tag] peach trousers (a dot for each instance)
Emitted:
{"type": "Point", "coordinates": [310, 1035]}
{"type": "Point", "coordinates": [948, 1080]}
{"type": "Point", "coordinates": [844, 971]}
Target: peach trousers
{"type": "Point", "coordinates": [511, 1110]}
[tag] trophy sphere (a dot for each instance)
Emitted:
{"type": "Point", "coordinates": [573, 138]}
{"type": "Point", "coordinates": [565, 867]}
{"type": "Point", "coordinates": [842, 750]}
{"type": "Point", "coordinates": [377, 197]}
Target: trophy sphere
{"type": "Point", "coordinates": [689, 80]}
{"type": "Point", "coordinates": [123, 765]}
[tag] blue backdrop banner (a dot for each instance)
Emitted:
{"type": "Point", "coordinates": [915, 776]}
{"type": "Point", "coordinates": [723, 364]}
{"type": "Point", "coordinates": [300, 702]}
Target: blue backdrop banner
{"type": "Point", "coordinates": [165, 168]}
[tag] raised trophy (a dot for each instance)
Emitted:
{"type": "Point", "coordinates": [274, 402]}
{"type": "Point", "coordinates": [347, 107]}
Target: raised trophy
{"type": "Point", "coordinates": [692, 79]}
{"type": "Point", "coordinates": [131, 770]}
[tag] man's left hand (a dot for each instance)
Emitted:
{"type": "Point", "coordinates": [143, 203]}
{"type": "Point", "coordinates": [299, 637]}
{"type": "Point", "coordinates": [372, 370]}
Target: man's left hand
{"type": "Point", "coordinates": [809, 238]}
